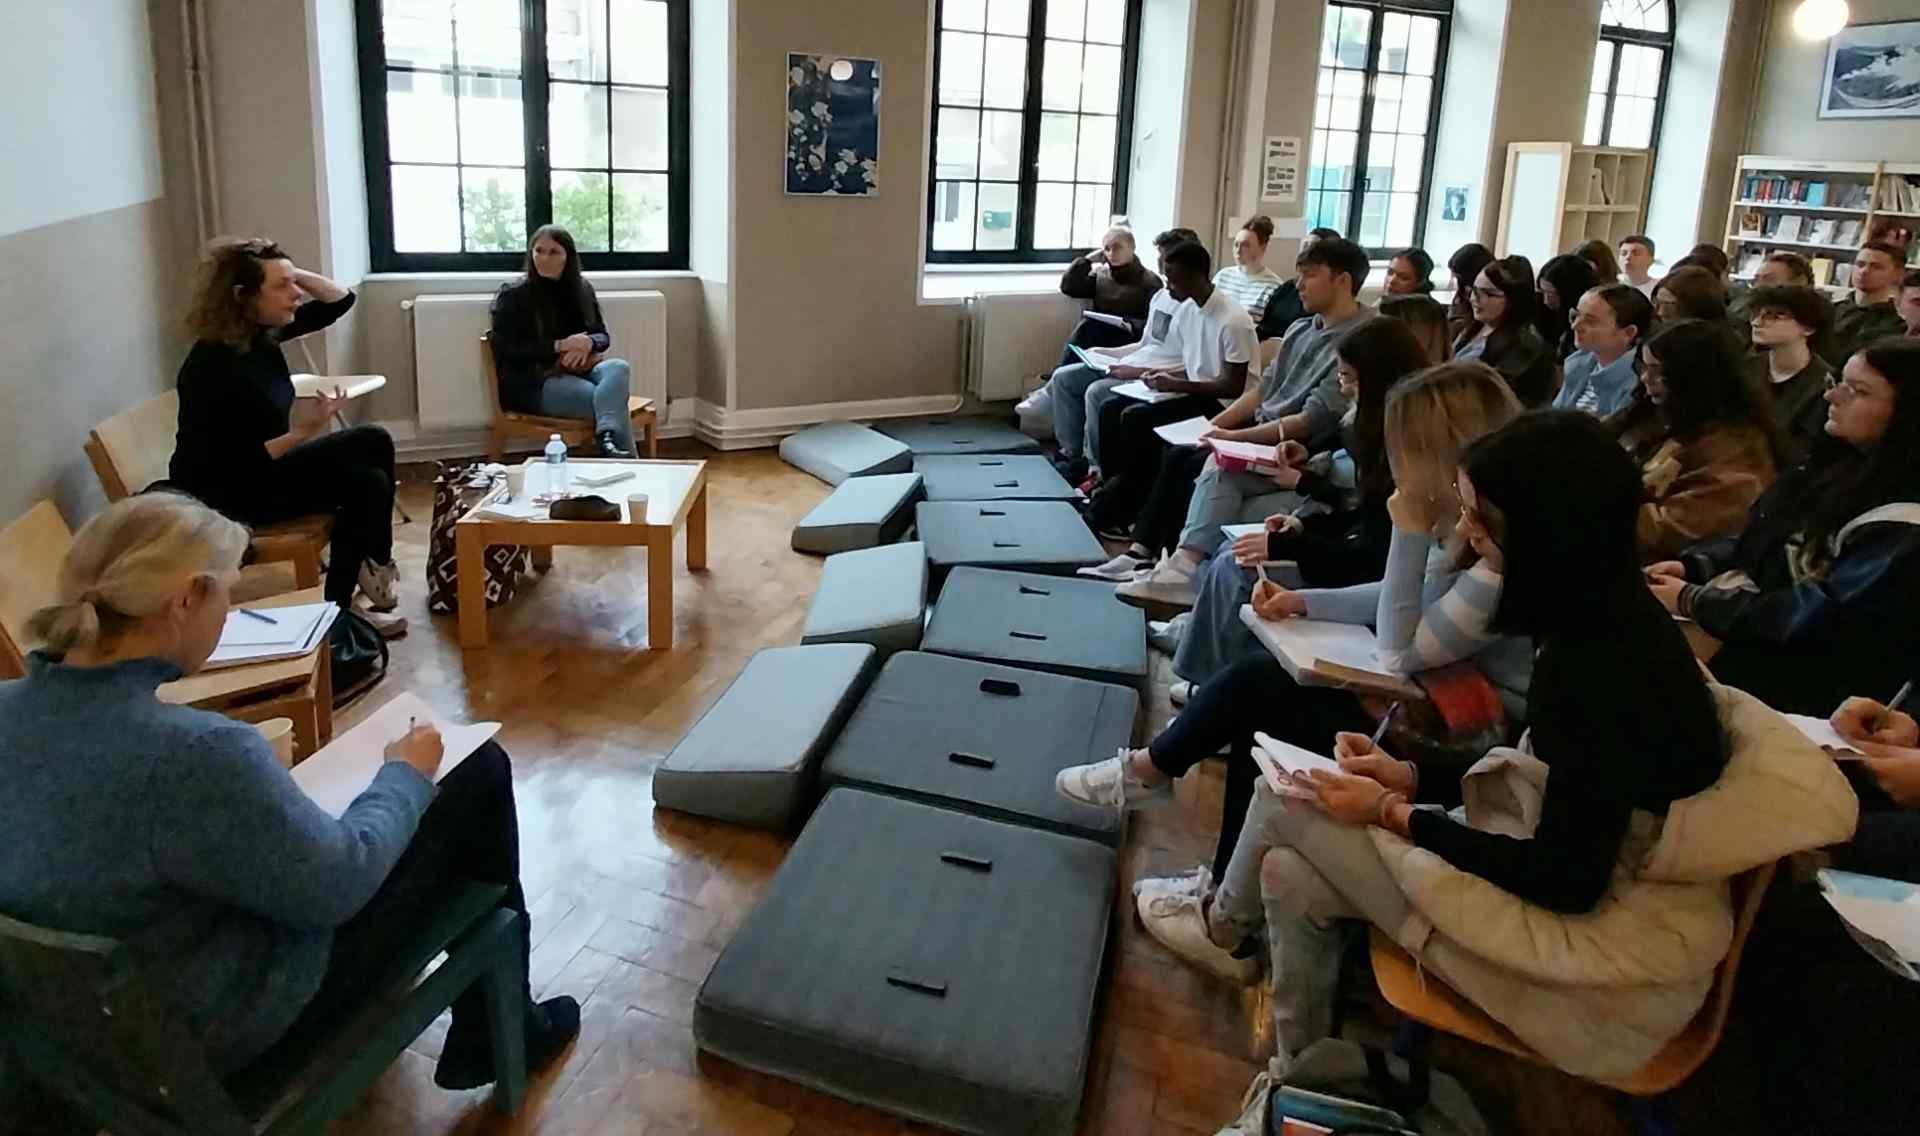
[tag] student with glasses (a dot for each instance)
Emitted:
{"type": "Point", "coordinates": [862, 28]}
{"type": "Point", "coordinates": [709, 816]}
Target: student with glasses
{"type": "Point", "coordinates": [1609, 324]}
{"type": "Point", "coordinates": [1787, 323]}
{"type": "Point", "coordinates": [1826, 602]}
{"type": "Point", "coordinates": [1502, 334]}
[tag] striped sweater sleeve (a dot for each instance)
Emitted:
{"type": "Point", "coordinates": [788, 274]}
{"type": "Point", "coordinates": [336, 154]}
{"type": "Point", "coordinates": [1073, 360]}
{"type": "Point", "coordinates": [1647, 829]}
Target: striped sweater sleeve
{"type": "Point", "coordinates": [1418, 634]}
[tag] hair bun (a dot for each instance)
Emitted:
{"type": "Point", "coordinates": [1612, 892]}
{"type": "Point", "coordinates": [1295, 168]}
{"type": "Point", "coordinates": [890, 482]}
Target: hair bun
{"type": "Point", "coordinates": [63, 627]}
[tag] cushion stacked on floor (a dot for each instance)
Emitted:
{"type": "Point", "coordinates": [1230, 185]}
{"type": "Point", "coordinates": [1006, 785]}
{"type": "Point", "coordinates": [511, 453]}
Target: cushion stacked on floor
{"type": "Point", "coordinates": [992, 477]}
{"type": "Point", "coordinates": [960, 436]}
{"type": "Point", "coordinates": [922, 961]}
{"type": "Point", "coordinates": [873, 595]}
{"type": "Point", "coordinates": [752, 758]}
{"type": "Point", "coordinates": [1070, 627]}
{"type": "Point", "coordinates": [1031, 536]}
{"type": "Point", "coordinates": [984, 739]}
{"type": "Point", "coordinates": [861, 513]}
{"type": "Point", "coordinates": [835, 451]}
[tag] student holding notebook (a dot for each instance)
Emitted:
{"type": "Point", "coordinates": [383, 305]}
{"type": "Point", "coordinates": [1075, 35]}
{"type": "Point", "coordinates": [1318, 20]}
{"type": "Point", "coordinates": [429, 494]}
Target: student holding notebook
{"type": "Point", "coordinates": [176, 832]}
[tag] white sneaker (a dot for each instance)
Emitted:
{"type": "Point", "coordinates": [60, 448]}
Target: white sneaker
{"type": "Point", "coordinates": [389, 626]}
{"type": "Point", "coordinates": [377, 584]}
{"type": "Point", "coordinates": [1195, 883]}
{"type": "Point", "coordinates": [1164, 635]}
{"type": "Point", "coordinates": [1179, 692]}
{"type": "Point", "coordinates": [1170, 584]}
{"type": "Point", "coordinates": [1120, 569]}
{"type": "Point", "coordinates": [1178, 924]}
{"type": "Point", "coordinates": [1108, 785]}
{"type": "Point", "coordinates": [1253, 1109]}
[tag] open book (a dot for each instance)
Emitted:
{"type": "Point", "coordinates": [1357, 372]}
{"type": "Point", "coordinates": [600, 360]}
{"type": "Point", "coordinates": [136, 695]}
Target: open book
{"type": "Point", "coordinates": [1318, 653]}
{"type": "Point", "coordinates": [1185, 433]}
{"type": "Point", "coordinates": [353, 386]}
{"type": "Point", "coordinates": [1141, 392]}
{"type": "Point", "coordinates": [1243, 455]}
{"type": "Point", "coordinates": [1882, 915]}
{"type": "Point", "coordinates": [343, 768]}
{"type": "Point", "coordinates": [1278, 760]}
{"type": "Point", "coordinates": [266, 635]}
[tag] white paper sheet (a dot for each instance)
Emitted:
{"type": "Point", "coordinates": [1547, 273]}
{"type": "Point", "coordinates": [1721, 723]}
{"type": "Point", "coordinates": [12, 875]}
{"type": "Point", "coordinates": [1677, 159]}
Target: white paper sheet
{"type": "Point", "coordinates": [312, 386]}
{"type": "Point", "coordinates": [1235, 532]}
{"type": "Point", "coordinates": [344, 767]}
{"type": "Point", "coordinates": [1820, 732]}
{"type": "Point", "coordinates": [1885, 911]}
{"type": "Point", "coordinates": [1141, 392]}
{"type": "Point", "coordinates": [1110, 321]}
{"type": "Point", "coordinates": [247, 640]}
{"type": "Point", "coordinates": [1301, 644]}
{"type": "Point", "coordinates": [1185, 433]}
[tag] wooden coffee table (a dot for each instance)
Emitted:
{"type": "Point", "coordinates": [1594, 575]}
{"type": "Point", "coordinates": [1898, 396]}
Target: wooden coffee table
{"type": "Point", "coordinates": [676, 498]}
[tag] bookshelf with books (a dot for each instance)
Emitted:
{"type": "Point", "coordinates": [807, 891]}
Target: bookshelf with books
{"type": "Point", "coordinates": [1823, 210]}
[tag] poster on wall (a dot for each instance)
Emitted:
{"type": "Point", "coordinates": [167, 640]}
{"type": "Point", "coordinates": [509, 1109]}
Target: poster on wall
{"type": "Point", "coordinates": [1280, 169]}
{"type": "Point", "coordinates": [833, 126]}
{"type": "Point", "coordinates": [1873, 71]}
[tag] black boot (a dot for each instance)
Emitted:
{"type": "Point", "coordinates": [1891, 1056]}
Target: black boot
{"type": "Point", "coordinates": [610, 448]}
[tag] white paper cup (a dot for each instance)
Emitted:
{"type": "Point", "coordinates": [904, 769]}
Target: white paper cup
{"type": "Point", "coordinates": [516, 482]}
{"type": "Point", "coordinates": [279, 734]}
{"type": "Point", "coordinates": [637, 509]}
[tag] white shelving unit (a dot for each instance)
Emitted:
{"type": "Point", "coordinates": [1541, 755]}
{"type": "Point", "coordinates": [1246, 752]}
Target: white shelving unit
{"type": "Point", "coordinates": [1559, 196]}
{"type": "Point", "coordinates": [1785, 184]}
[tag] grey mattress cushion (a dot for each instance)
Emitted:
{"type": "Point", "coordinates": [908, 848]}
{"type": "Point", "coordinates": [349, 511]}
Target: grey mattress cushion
{"type": "Point", "coordinates": [992, 477]}
{"type": "Point", "coordinates": [922, 961]}
{"type": "Point", "coordinates": [984, 739]}
{"type": "Point", "coordinates": [960, 436]}
{"type": "Point", "coordinates": [1035, 536]}
{"type": "Point", "coordinates": [873, 595]}
{"type": "Point", "coordinates": [752, 758]}
{"type": "Point", "coordinates": [1074, 627]}
{"type": "Point", "coordinates": [835, 451]}
{"type": "Point", "coordinates": [860, 513]}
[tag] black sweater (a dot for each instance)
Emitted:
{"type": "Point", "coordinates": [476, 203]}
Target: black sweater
{"type": "Point", "coordinates": [232, 403]}
{"type": "Point", "coordinates": [1624, 720]}
{"type": "Point", "coordinates": [524, 329]}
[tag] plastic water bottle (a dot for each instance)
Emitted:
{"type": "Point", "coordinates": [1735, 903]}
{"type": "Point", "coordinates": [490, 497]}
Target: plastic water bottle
{"type": "Point", "coordinates": [558, 480]}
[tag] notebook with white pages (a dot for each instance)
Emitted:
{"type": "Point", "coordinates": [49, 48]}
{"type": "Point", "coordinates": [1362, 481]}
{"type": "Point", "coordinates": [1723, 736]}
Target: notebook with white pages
{"type": "Point", "coordinates": [1102, 317]}
{"type": "Point", "coordinates": [353, 386]}
{"type": "Point", "coordinates": [1252, 453]}
{"type": "Point", "coordinates": [1820, 732]}
{"type": "Point", "coordinates": [269, 634]}
{"type": "Point", "coordinates": [1319, 653]}
{"type": "Point", "coordinates": [1141, 392]}
{"type": "Point", "coordinates": [1278, 759]}
{"type": "Point", "coordinates": [1235, 532]}
{"type": "Point", "coordinates": [1185, 433]}
{"type": "Point", "coordinates": [1099, 365]}
{"type": "Point", "coordinates": [343, 768]}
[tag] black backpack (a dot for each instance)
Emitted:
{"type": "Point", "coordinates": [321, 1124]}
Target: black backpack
{"type": "Point", "coordinates": [360, 657]}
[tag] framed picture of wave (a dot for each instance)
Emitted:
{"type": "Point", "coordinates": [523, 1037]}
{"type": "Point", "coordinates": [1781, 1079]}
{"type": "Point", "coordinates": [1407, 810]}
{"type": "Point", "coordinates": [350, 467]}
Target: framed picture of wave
{"type": "Point", "coordinates": [833, 126]}
{"type": "Point", "coordinates": [1873, 71]}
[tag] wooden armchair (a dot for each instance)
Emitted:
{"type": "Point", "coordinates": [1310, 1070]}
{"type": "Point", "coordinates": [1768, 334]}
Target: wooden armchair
{"type": "Point", "coordinates": [86, 1025]}
{"type": "Point", "coordinates": [509, 424]}
{"type": "Point", "coordinates": [131, 451]}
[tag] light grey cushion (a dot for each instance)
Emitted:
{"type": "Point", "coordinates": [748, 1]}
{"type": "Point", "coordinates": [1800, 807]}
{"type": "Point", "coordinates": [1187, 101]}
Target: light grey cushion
{"type": "Point", "coordinates": [992, 477]}
{"type": "Point", "coordinates": [922, 961]}
{"type": "Point", "coordinates": [1072, 627]}
{"type": "Point", "coordinates": [872, 595]}
{"type": "Point", "coordinates": [960, 436]}
{"type": "Point", "coordinates": [860, 513]}
{"type": "Point", "coordinates": [984, 739]}
{"type": "Point", "coordinates": [752, 758]}
{"type": "Point", "coordinates": [835, 451]}
{"type": "Point", "coordinates": [1031, 536]}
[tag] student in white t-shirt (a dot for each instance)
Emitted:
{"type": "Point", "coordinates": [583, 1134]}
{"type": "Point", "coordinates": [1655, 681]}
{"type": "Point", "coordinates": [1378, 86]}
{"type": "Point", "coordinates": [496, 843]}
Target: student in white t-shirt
{"type": "Point", "coordinates": [1636, 264]}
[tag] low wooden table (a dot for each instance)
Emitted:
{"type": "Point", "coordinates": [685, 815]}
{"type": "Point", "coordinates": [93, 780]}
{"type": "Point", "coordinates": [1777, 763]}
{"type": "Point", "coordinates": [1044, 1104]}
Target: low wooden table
{"type": "Point", "coordinates": [676, 497]}
{"type": "Point", "coordinates": [299, 688]}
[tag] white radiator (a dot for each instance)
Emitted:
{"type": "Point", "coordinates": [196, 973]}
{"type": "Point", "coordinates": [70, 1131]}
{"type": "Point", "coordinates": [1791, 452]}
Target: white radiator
{"type": "Point", "coordinates": [1013, 338]}
{"type": "Point", "coordinates": [446, 352]}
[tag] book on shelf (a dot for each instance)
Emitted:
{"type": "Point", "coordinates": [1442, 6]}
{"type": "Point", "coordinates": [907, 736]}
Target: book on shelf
{"type": "Point", "coordinates": [1842, 274]}
{"type": "Point", "coordinates": [1752, 224]}
{"type": "Point", "coordinates": [1816, 193]}
{"type": "Point", "coordinates": [1821, 231]}
{"type": "Point", "coordinates": [1858, 195]}
{"type": "Point", "coordinates": [1848, 233]}
{"type": "Point", "coordinates": [1822, 269]}
{"type": "Point", "coordinates": [1789, 227]}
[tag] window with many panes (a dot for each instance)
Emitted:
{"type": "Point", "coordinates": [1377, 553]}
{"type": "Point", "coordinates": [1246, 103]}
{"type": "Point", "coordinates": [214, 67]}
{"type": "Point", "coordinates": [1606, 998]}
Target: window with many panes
{"type": "Point", "coordinates": [485, 119]}
{"type": "Point", "coordinates": [1374, 118]}
{"type": "Point", "coordinates": [1033, 108]}
{"type": "Point", "coordinates": [1629, 73]}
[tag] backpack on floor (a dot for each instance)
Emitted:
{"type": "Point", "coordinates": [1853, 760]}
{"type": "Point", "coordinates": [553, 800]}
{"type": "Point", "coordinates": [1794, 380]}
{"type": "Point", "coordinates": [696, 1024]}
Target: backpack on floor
{"type": "Point", "coordinates": [360, 656]}
{"type": "Point", "coordinates": [504, 564]}
{"type": "Point", "coordinates": [1338, 1086]}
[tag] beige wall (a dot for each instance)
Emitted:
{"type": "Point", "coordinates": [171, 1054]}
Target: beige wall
{"type": "Point", "coordinates": [1785, 113]}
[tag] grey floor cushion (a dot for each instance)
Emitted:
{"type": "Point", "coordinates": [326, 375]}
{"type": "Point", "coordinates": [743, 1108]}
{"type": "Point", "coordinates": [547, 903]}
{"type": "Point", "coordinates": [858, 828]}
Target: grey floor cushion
{"type": "Point", "coordinates": [960, 436]}
{"type": "Point", "coordinates": [992, 477]}
{"type": "Point", "coordinates": [923, 961]}
{"type": "Point", "coordinates": [1072, 627]}
{"type": "Point", "coordinates": [753, 757]}
{"type": "Point", "coordinates": [835, 451]}
{"type": "Point", "coordinates": [984, 739]}
{"type": "Point", "coordinates": [860, 513]}
{"type": "Point", "coordinates": [1032, 536]}
{"type": "Point", "coordinates": [872, 595]}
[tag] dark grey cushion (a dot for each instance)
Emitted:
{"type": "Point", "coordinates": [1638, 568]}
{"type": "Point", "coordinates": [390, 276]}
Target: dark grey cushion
{"type": "Point", "coordinates": [835, 451]}
{"type": "Point", "coordinates": [1031, 536]}
{"type": "Point", "coordinates": [752, 758]}
{"type": "Point", "coordinates": [873, 595]}
{"type": "Point", "coordinates": [861, 513]}
{"type": "Point", "coordinates": [960, 436]}
{"type": "Point", "coordinates": [992, 477]}
{"type": "Point", "coordinates": [984, 739]}
{"type": "Point", "coordinates": [933, 964]}
{"type": "Point", "coordinates": [1073, 627]}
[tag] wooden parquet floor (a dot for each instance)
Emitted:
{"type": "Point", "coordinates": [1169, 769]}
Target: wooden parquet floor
{"type": "Point", "coordinates": [631, 905]}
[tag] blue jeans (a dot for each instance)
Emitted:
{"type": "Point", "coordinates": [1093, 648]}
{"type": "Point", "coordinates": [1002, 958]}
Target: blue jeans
{"type": "Point", "coordinates": [1070, 386]}
{"type": "Point", "coordinates": [1215, 638]}
{"type": "Point", "coordinates": [600, 394]}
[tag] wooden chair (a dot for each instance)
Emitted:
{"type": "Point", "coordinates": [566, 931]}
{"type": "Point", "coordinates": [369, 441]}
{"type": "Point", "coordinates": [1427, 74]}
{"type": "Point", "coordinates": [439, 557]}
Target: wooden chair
{"type": "Point", "coordinates": [1428, 1001]}
{"type": "Point", "coordinates": [31, 549]}
{"type": "Point", "coordinates": [86, 1025]}
{"type": "Point", "coordinates": [131, 451]}
{"type": "Point", "coordinates": [509, 424]}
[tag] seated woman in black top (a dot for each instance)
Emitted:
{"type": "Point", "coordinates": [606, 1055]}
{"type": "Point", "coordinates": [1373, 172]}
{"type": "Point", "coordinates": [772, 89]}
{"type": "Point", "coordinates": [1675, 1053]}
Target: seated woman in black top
{"type": "Point", "coordinates": [1826, 602]}
{"type": "Point", "coordinates": [550, 346]}
{"type": "Point", "coordinates": [1502, 334]}
{"type": "Point", "coordinates": [1563, 280]}
{"type": "Point", "coordinates": [248, 448]}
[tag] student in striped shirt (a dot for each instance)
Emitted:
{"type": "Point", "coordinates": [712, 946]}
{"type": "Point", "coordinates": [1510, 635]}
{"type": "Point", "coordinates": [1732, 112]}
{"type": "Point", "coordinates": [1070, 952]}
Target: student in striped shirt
{"type": "Point", "coordinates": [1248, 280]}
